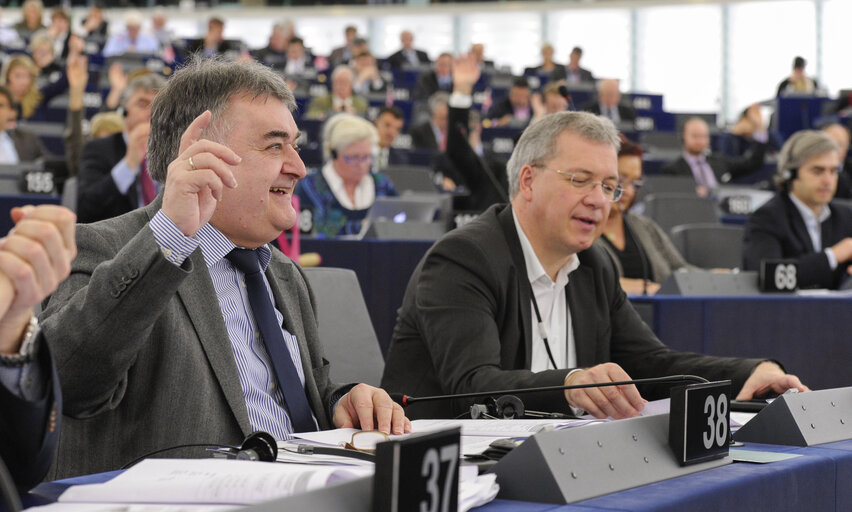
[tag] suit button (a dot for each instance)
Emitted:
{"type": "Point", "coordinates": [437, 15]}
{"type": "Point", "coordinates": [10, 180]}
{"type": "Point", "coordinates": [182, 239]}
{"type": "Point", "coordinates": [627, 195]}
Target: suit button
{"type": "Point", "coordinates": [134, 273]}
{"type": "Point", "coordinates": [126, 280]}
{"type": "Point", "coordinates": [115, 293]}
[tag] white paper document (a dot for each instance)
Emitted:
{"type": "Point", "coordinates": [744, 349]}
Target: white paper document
{"type": "Point", "coordinates": [125, 507]}
{"type": "Point", "coordinates": [210, 481]}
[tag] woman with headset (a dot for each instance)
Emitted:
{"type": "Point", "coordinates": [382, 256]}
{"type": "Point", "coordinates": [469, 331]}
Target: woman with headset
{"type": "Point", "coordinates": [643, 254]}
{"type": "Point", "coordinates": [339, 195]}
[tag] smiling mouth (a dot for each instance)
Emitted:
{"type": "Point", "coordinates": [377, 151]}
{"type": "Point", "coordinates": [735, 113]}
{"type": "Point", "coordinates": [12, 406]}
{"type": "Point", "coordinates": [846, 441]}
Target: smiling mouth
{"type": "Point", "coordinates": [280, 190]}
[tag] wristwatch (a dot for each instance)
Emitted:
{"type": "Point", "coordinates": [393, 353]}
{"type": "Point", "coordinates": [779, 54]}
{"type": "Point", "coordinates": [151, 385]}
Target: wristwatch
{"type": "Point", "coordinates": [26, 354]}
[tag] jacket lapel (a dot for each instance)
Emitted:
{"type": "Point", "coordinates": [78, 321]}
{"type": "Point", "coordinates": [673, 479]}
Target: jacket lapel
{"type": "Point", "coordinates": [582, 318]}
{"type": "Point", "coordinates": [507, 223]}
{"type": "Point", "coordinates": [798, 224]}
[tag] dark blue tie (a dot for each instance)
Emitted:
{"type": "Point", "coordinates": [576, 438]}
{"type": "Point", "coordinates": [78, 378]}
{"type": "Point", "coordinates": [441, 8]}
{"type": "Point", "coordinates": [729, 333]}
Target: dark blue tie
{"type": "Point", "coordinates": [246, 260]}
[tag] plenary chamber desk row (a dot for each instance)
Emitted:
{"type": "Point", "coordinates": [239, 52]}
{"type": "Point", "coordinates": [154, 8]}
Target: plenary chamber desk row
{"type": "Point", "coordinates": [809, 335]}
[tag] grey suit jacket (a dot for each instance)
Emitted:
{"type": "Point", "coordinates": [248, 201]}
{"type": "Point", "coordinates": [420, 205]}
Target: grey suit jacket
{"type": "Point", "coordinates": [143, 355]}
{"type": "Point", "coordinates": [466, 324]}
{"type": "Point", "coordinates": [28, 145]}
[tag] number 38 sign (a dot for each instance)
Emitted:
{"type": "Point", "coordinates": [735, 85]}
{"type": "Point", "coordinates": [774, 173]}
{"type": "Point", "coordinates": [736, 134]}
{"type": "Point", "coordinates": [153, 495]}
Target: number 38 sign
{"type": "Point", "coordinates": [699, 421]}
{"type": "Point", "coordinates": [419, 473]}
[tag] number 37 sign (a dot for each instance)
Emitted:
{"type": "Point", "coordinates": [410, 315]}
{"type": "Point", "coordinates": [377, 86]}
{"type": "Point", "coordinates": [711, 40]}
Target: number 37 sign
{"type": "Point", "coordinates": [419, 473]}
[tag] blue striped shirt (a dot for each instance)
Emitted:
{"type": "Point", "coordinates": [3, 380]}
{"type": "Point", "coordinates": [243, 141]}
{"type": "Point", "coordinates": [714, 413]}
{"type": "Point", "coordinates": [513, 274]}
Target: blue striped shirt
{"type": "Point", "coordinates": [267, 410]}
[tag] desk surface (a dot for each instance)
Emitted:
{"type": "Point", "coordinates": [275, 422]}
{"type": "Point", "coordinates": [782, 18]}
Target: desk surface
{"type": "Point", "coordinates": [818, 480]}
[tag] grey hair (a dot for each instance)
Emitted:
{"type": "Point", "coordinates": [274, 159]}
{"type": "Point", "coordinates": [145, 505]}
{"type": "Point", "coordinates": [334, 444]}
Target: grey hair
{"type": "Point", "coordinates": [344, 129]}
{"type": "Point", "coordinates": [538, 142]}
{"type": "Point", "coordinates": [799, 148]}
{"type": "Point", "coordinates": [205, 84]}
{"type": "Point", "coordinates": [342, 68]}
{"type": "Point", "coordinates": [437, 99]}
{"type": "Point", "coordinates": [146, 82]}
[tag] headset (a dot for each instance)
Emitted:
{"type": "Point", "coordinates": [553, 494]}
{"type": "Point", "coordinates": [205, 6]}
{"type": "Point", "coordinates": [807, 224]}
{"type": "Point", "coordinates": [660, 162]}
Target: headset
{"type": "Point", "coordinates": [787, 173]}
{"type": "Point", "coordinates": [257, 446]}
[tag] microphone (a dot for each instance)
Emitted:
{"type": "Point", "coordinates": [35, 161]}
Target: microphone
{"type": "Point", "coordinates": [406, 400]}
{"type": "Point", "coordinates": [563, 91]}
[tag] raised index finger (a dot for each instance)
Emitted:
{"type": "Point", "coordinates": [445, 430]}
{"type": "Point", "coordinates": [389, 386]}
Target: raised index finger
{"type": "Point", "coordinates": [193, 132]}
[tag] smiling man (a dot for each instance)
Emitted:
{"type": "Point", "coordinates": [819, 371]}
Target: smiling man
{"type": "Point", "coordinates": [800, 223]}
{"type": "Point", "coordinates": [520, 298]}
{"type": "Point", "coordinates": [179, 324]}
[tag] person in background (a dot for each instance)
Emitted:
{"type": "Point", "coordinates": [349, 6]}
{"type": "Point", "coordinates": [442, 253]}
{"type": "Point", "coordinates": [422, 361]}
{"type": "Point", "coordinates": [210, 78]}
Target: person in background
{"type": "Point", "coordinates": [341, 98]}
{"type": "Point", "coordinates": [574, 74]}
{"type": "Point", "coordinates": [550, 101]}
{"type": "Point", "coordinates": [340, 194]}
{"type": "Point", "coordinates": [297, 60]}
{"type": "Point", "coordinates": [214, 43]}
{"type": "Point", "coordinates": [96, 28]}
{"type": "Point", "coordinates": [798, 82]}
{"type": "Point", "coordinates": [801, 223]}
{"type": "Point", "coordinates": [515, 109]}
{"type": "Point", "coordinates": [34, 258]}
{"type": "Point", "coordinates": [389, 122]}
{"type": "Point", "coordinates": [548, 66]}
{"type": "Point", "coordinates": [19, 75]}
{"type": "Point", "coordinates": [609, 105]}
{"type": "Point", "coordinates": [59, 32]}
{"type": "Point", "coordinates": [274, 54]}
{"type": "Point", "coordinates": [432, 133]}
{"type": "Point", "coordinates": [643, 255]}
{"type": "Point", "coordinates": [408, 55]}
{"type": "Point", "coordinates": [132, 39]}
{"type": "Point", "coordinates": [840, 135]}
{"type": "Point", "coordinates": [440, 78]}
{"type": "Point", "coordinates": [32, 21]}
{"type": "Point", "coordinates": [367, 79]}
{"type": "Point", "coordinates": [16, 144]}
{"type": "Point", "coordinates": [113, 170]}
{"type": "Point", "coordinates": [342, 54]}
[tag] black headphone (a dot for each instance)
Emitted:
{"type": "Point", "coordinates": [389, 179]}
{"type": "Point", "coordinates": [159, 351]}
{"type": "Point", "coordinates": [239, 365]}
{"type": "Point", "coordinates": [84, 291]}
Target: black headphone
{"type": "Point", "coordinates": [257, 446]}
{"type": "Point", "coordinates": [333, 153]}
{"type": "Point", "coordinates": [789, 173]}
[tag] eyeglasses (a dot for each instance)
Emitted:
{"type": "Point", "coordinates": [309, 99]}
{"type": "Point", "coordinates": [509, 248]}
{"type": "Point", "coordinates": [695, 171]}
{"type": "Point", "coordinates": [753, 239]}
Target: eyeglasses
{"type": "Point", "coordinates": [357, 159]}
{"type": "Point", "coordinates": [585, 184]}
{"type": "Point", "coordinates": [366, 441]}
{"type": "Point", "coordinates": [637, 184]}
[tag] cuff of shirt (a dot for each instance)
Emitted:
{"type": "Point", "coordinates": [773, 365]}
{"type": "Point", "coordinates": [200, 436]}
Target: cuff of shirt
{"type": "Point", "coordinates": [123, 176]}
{"type": "Point", "coordinates": [761, 136]}
{"type": "Point", "coordinates": [576, 411]}
{"type": "Point", "coordinates": [173, 244]}
{"type": "Point", "coordinates": [25, 382]}
{"type": "Point", "coordinates": [460, 100]}
{"type": "Point", "coordinates": [832, 259]}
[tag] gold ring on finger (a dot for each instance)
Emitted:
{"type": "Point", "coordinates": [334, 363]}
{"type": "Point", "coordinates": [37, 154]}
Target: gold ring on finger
{"type": "Point", "coordinates": [192, 164]}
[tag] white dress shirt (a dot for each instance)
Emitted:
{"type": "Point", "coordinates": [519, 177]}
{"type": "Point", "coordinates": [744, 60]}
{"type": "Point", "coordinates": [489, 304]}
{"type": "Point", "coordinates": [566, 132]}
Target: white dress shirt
{"type": "Point", "coordinates": [365, 192]}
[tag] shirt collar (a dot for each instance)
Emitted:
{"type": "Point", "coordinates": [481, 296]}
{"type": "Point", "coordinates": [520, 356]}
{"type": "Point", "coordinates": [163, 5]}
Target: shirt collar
{"type": "Point", "coordinates": [809, 214]}
{"type": "Point", "coordinates": [365, 192]}
{"type": "Point", "coordinates": [215, 246]}
{"type": "Point", "coordinates": [535, 270]}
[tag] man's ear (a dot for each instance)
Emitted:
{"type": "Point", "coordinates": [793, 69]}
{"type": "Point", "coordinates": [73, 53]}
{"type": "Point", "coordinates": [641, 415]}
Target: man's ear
{"type": "Point", "coordinates": [525, 181]}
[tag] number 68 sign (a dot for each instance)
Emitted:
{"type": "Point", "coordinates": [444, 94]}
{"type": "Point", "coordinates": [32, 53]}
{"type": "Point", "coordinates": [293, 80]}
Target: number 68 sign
{"type": "Point", "coordinates": [419, 473]}
{"type": "Point", "coordinates": [699, 421]}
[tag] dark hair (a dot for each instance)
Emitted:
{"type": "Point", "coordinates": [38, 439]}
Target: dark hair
{"type": "Point", "coordinates": [629, 148]}
{"type": "Point", "coordinates": [298, 40]}
{"type": "Point", "coordinates": [6, 92]}
{"type": "Point", "coordinates": [216, 20]}
{"type": "Point", "coordinates": [205, 84]}
{"type": "Point", "coordinates": [392, 110]}
{"type": "Point", "coordinates": [577, 50]}
{"type": "Point", "coordinates": [799, 63]}
{"type": "Point", "coordinates": [521, 81]}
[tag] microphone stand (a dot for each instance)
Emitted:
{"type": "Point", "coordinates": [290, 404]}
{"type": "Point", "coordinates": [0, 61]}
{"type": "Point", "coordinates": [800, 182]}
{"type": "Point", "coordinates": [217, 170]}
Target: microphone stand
{"type": "Point", "coordinates": [509, 406]}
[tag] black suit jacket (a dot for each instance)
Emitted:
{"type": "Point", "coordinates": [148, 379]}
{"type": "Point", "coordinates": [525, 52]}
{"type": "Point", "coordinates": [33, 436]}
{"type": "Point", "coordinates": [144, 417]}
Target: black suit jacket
{"type": "Point", "coordinates": [465, 324]}
{"type": "Point", "coordinates": [427, 85]}
{"type": "Point", "coordinates": [29, 430]}
{"type": "Point", "coordinates": [776, 230]}
{"type": "Point", "coordinates": [28, 145]}
{"type": "Point", "coordinates": [99, 198]}
{"type": "Point", "coordinates": [725, 168]}
{"type": "Point", "coordinates": [586, 76]}
{"type": "Point", "coordinates": [423, 137]}
{"type": "Point", "coordinates": [625, 112]}
{"type": "Point", "coordinates": [398, 60]}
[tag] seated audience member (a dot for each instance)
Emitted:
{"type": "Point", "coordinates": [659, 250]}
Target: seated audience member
{"type": "Point", "coordinates": [32, 21]}
{"type": "Point", "coordinates": [439, 78]}
{"type": "Point", "coordinates": [34, 258]}
{"type": "Point", "coordinates": [548, 66]}
{"type": "Point", "coordinates": [798, 82]}
{"type": "Point", "coordinates": [342, 54]}
{"type": "Point", "coordinates": [741, 135]}
{"type": "Point", "coordinates": [840, 135]}
{"type": "Point", "coordinates": [408, 55]}
{"type": "Point", "coordinates": [214, 43]}
{"type": "Point", "coordinates": [800, 222]}
{"type": "Point", "coordinates": [19, 76]}
{"type": "Point", "coordinates": [644, 256]}
{"type": "Point", "coordinates": [712, 169]}
{"type": "Point", "coordinates": [609, 104]}
{"type": "Point", "coordinates": [16, 144]}
{"type": "Point", "coordinates": [389, 122]}
{"type": "Point", "coordinates": [552, 100]}
{"type": "Point", "coordinates": [432, 134]}
{"type": "Point", "coordinates": [51, 80]}
{"type": "Point", "coordinates": [574, 74]}
{"type": "Point", "coordinates": [95, 27]}
{"type": "Point", "coordinates": [59, 32]}
{"type": "Point", "coordinates": [341, 98]}
{"type": "Point", "coordinates": [297, 61]}
{"type": "Point", "coordinates": [113, 170]}
{"type": "Point", "coordinates": [195, 361]}
{"type": "Point", "coordinates": [515, 109]}
{"type": "Point", "coordinates": [367, 78]}
{"type": "Point", "coordinates": [467, 321]}
{"type": "Point", "coordinates": [478, 51]}
{"type": "Point", "coordinates": [132, 39]}
{"type": "Point", "coordinates": [341, 193]}
{"type": "Point", "coordinates": [274, 54]}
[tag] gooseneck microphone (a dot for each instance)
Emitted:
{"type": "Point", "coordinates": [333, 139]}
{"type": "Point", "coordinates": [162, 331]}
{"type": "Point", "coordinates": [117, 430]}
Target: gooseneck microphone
{"type": "Point", "coordinates": [517, 407]}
